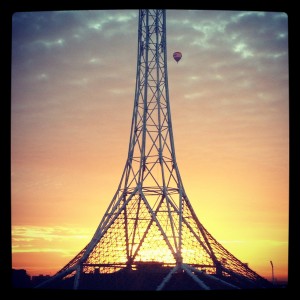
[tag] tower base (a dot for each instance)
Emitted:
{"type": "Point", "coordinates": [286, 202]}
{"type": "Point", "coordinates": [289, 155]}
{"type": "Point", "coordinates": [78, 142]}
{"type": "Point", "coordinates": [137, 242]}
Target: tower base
{"type": "Point", "coordinates": [153, 277]}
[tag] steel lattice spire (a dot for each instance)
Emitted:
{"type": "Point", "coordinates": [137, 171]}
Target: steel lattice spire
{"type": "Point", "coordinates": [150, 218]}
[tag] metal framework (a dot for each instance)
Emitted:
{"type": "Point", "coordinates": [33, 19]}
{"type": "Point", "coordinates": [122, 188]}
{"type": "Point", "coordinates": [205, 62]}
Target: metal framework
{"type": "Point", "coordinates": [150, 218]}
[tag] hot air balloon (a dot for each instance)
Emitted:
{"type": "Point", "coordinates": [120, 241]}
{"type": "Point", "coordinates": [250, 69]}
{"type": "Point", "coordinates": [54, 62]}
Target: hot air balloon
{"type": "Point", "coordinates": [177, 56]}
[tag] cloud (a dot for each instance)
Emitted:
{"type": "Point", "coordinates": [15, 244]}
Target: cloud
{"type": "Point", "coordinates": [30, 238]}
{"type": "Point", "coordinates": [68, 65]}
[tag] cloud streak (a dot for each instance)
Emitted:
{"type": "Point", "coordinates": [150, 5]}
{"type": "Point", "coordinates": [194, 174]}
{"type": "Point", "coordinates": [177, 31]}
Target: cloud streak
{"type": "Point", "coordinates": [27, 239]}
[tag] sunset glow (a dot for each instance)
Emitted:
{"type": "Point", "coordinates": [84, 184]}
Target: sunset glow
{"type": "Point", "coordinates": [73, 84]}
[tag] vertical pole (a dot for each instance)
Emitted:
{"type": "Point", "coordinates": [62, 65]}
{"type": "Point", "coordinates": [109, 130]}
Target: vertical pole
{"type": "Point", "coordinates": [143, 150]}
{"type": "Point", "coordinates": [272, 271]}
{"type": "Point", "coordinates": [77, 276]}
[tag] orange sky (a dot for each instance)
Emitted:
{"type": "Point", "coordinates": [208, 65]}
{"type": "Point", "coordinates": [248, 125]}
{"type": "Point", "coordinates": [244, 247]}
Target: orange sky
{"type": "Point", "coordinates": [73, 81]}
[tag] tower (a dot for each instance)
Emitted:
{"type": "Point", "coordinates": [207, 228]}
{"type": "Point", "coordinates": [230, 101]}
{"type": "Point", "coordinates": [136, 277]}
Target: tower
{"type": "Point", "coordinates": [150, 229]}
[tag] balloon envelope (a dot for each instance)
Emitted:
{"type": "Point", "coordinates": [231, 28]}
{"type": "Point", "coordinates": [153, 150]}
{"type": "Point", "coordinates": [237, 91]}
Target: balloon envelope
{"type": "Point", "coordinates": [177, 56]}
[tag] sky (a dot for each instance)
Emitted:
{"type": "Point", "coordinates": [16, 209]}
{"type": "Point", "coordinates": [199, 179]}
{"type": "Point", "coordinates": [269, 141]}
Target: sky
{"type": "Point", "coordinates": [72, 92]}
